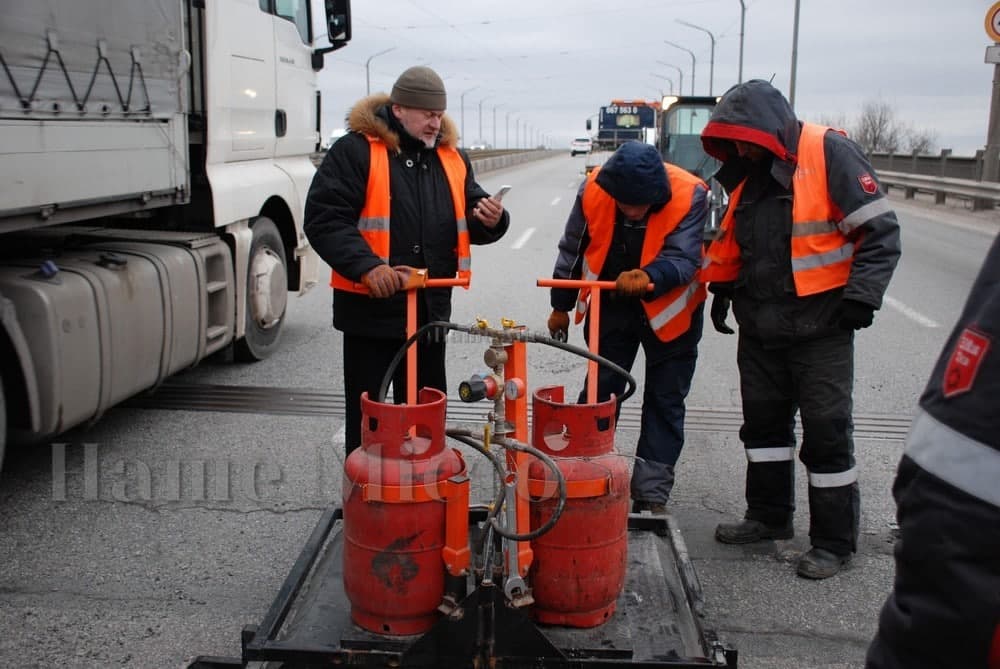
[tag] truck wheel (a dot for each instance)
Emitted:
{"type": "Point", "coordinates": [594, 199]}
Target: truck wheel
{"type": "Point", "coordinates": [3, 422]}
{"type": "Point", "coordinates": [266, 293]}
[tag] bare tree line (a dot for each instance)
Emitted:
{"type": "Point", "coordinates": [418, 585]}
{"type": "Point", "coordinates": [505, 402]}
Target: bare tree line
{"type": "Point", "coordinates": [878, 130]}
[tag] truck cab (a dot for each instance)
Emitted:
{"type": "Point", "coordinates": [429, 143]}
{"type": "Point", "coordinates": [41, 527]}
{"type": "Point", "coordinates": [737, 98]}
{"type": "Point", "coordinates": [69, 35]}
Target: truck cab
{"type": "Point", "coordinates": [154, 169]}
{"type": "Point", "coordinates": [682, 118]}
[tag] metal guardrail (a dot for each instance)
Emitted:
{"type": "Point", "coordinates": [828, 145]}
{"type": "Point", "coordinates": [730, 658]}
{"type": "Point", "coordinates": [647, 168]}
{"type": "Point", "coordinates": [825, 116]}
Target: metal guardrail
{"type": "Point", "coordinates": [983, 194]}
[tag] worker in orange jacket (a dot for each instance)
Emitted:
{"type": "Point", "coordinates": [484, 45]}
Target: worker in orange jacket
{"type": "Point", "coordinates": [638, 221]}
{"type": "Point", "coordinates": [806, 250]}
{"type": "Point", "coordinates": [396, 193]}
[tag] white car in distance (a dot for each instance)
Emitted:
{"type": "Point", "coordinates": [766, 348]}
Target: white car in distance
{"type": "Point", "coordinates": [580, 145]}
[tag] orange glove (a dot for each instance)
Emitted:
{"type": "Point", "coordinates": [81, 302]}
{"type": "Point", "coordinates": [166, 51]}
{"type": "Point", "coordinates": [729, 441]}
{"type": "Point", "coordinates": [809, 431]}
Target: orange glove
{"type": "Point", "coordinates": [381, 281]}
{"type": "Point", "coordinates": [559, 325]}
{"type": "Point", "coordinates": [632, 283]}
{"type": "Point", "coordinates": [411, 277]}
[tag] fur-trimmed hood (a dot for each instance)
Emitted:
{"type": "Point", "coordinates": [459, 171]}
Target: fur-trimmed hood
{"type": "Point", "coordinates": [365, 118]}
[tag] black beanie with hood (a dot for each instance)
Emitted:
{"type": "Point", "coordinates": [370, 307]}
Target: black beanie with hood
{"type": "Point", "coordinates": [634, 174]}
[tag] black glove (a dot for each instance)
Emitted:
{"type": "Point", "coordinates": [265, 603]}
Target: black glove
{"type": "Point", "coordinates": [720, 310]}
{"type": "Point", "coordinates": [853, 315]}
{"type": "Point", "coordinates": [559, 325]}
{"type": "Point", "coordinates": [724, 288]}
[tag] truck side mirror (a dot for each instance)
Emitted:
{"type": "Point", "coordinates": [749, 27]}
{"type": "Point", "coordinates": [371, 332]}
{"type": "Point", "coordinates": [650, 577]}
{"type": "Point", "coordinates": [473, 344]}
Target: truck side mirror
{"type": "Point", "coordinates": [588, 124]}
{"type": "Point", "coordinates": [338, 29]}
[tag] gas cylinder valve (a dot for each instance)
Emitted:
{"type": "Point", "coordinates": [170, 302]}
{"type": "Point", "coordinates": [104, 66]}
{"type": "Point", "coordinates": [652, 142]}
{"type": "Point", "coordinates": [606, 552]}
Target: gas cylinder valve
{"type": "Point", "coordinates": [477, 387]}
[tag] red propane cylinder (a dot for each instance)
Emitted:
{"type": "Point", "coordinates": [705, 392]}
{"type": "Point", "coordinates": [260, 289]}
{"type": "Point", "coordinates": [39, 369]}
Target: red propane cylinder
{"type": "Point", "coordinates": [579, 565]}
{"type": "Point", "coordinates": [394, 515]}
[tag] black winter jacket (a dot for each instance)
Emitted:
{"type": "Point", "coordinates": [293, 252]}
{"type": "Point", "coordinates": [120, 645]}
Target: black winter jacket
{"type": "Point", "coordinates": [422, 218]}
{"type": "Point", "coordinates": [764, 300]}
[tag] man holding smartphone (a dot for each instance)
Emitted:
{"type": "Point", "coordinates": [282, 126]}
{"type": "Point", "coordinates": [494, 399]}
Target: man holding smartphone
{"type": "Point", "coordinates": [395, 194]}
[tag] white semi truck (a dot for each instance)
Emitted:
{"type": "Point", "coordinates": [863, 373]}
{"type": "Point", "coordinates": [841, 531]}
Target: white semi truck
{"type": "Point", "coordinates": [155, 156]}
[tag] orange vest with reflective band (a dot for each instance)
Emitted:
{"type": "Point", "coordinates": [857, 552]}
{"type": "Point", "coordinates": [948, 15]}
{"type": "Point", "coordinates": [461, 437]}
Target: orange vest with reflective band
{"type": "Point", "coordinates": [669, 314]}
{"type": "Point", "coordinates": [374, 220]}
{"type": "Point", "coordinates": [821, 253]}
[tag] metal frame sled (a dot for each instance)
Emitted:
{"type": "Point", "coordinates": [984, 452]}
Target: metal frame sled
{"type": "Point", "coordinates": [656, 624]}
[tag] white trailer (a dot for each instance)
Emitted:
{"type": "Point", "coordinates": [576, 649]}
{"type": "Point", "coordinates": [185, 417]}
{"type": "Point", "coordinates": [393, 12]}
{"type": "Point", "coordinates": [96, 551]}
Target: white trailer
{"type": "Point", "coordinates": [155, 156]}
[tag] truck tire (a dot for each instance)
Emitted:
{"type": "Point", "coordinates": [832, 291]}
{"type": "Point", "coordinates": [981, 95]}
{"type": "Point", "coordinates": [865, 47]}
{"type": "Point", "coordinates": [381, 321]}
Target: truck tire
{"type": "Point", "coordinates": [3, 422]}
{"type": "Point", "coordinates": [266, 293]}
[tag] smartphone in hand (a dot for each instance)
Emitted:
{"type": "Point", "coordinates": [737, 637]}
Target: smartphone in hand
{"type": "Point", "coordinates": [498, 196]}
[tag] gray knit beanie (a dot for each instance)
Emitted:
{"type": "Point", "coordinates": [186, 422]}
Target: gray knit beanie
{"type": "Point", "coordinates": [419, 87]}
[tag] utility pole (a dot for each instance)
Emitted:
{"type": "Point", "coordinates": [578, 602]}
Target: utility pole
{"type": "Point", "coordinates": [480, 138]}
{"type": "Point", "coordinates": [991, 156]}
{"type": "Point", "coordinates": [461, 103]}
{"type": "Point", "coordinates": [743, 16]}
{"type": "Point", "coordinates": [795, 55]}
{"type": "Point", "coordinates": [495, 107]}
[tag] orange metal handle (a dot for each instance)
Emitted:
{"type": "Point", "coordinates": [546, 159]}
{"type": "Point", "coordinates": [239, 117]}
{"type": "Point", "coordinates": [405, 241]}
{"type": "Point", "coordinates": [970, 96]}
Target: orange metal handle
{"type": "Point", "coordinates": [579, 283]}
{"type": "Point", "coordinates": [428, 283]}
{"type": "Point", "coordinates": [595, 321]}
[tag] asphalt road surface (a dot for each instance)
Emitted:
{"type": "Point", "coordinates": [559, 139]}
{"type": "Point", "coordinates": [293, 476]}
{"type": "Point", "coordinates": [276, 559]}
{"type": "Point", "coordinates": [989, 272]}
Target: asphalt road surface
{"type": "Point", "coordinates": [158, 532]}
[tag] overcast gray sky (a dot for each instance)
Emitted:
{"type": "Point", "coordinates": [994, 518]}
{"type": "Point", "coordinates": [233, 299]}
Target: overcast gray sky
{"type": "Point", "coordinates": [551, 64]}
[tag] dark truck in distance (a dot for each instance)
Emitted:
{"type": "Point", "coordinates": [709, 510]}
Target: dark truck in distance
{"type": "Point", "coordinates": [624, 120]}
{"type": "Point", "coordinates": [682, 119]}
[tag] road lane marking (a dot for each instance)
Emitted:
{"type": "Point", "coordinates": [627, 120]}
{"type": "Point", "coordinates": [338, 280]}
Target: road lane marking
{"type": "Point", "coordinates": [555, 201]}
{"type": "Point", "coordinates": [523, 239]}
{"type": "Point", "coordinates": [911, 313]}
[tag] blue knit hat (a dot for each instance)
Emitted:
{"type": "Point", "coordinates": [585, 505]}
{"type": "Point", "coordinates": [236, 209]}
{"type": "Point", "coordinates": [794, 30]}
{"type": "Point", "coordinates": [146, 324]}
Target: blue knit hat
{"type": "Point", "coordinates": [634, 174]}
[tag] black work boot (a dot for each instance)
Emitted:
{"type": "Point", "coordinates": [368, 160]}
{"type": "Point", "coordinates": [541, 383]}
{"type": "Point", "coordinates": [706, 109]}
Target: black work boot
{"type": "Point", "coordinates": [820, 563]}
{"type": "Point", "coordinates": [748, 531]}
{"type": "Point", "coordinates": [655, 508]}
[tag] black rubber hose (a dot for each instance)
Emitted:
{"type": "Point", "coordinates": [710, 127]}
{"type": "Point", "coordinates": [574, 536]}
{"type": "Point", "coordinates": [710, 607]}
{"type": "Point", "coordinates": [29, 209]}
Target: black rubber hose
{"type": "Point", "coordinates": [394, 363]}
{"type": "Point", "coordinates": [560, 485]}
{"type": "Point", "coordinates": [469, 439]}
{"type": "Point", "coordinates": [511, 335]}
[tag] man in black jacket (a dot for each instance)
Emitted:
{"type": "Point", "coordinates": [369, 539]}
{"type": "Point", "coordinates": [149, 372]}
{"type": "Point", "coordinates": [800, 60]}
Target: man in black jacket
{"type": "Point", "coordinates": [944, 610]}
{"type": "Point", "coordinates": [395, 194]}
{"type": "Point", "coordinates": [806, 250]}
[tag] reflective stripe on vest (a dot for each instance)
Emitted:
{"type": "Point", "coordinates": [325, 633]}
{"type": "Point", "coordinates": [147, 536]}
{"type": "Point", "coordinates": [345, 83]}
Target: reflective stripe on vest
{"type": "Point", "coordinates": [373, 222]}
{"type": "Point", "coordinates": [821, 254]}
{"type": "Point", "coordinates": [669, 315]}
{"type": "Point", "coordinates": [967, 464]}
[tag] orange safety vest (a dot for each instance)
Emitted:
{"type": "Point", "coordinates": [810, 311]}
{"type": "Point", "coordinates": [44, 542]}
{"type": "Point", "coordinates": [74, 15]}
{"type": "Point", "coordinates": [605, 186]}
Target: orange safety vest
{"type": "Point", "coordinates": [821, 253]}
{"type": "Point", "coordinates": [374, 220]}
{"type": "Point", "coordinates": [669, 314]}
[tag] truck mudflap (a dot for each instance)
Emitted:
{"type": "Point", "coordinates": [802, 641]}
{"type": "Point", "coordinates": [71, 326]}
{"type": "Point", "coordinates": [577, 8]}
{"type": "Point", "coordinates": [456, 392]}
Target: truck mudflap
{"type": "Point", "coordinates": [657, 622]}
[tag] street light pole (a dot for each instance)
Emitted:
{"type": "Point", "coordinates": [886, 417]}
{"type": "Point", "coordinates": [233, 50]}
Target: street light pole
{"type": "Point", "coordinates": [678, 46]}
{"type": "Point", "coordinates": [667, 79]}
{"type": "Point", "coordinates": [795, 55]}
{"type": "Point", "coordinates": [461, 103]}
{"type": "Point", "coordinates": [743, 16]}
{"type": "Point", "coordinates": [368, 79]}
{"type": "Point", "coordinates": [480, 139]}
{"type": "Point", "coordinates": [711, 62]}
{"type": "Point", "coordinates": [495, 124]}
{"type": "Point", "coordinates": [680, 76]}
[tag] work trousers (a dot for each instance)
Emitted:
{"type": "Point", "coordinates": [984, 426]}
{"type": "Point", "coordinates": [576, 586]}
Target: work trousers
{"type": "Point", "coordinates": [366, 361]}
{"type": "Point", "coordinates": [669, 369]}
{"type": "Point", "coordinates": [815, 377]}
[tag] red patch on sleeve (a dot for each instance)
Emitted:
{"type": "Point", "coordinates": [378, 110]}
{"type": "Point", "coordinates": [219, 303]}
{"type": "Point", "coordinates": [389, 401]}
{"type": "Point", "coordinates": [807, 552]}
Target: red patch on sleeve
{"type": "Point", "coordinates": [868, 183]}
{"type": "Point", "coordinates": [963, 365]}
